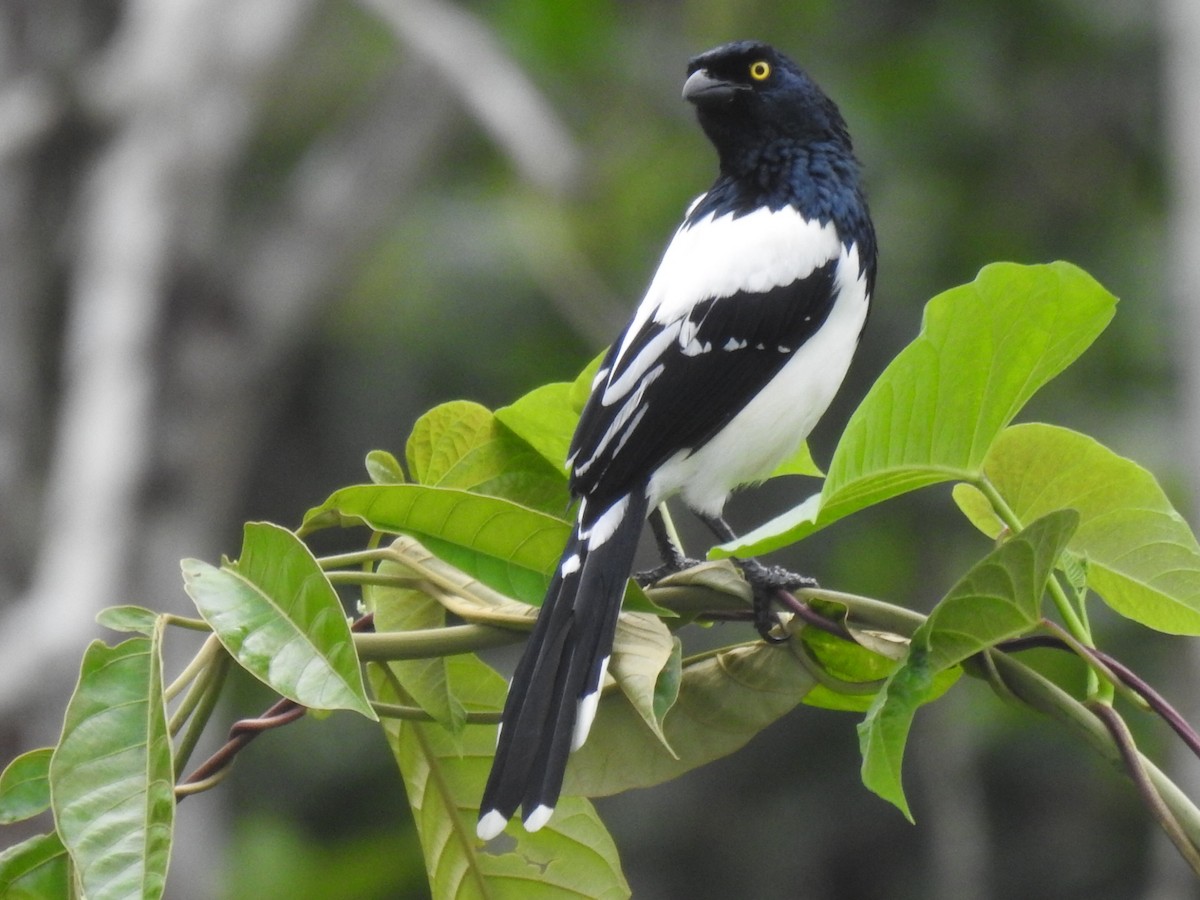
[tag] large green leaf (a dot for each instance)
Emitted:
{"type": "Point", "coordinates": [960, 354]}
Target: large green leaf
{"type": "Point", "coordinates": [999, 598]}
{"type": "Point", "coordinates": [724, 700]}
{"type": "Point", "coordinates": [280, 618]}
{"type": "Point", "coordinates": [1142, 556]}
{"type": "Point", "coordinates": [25, 786]}
{"type": "Point", "coordinates": [112, 775]}
{"type": "Point", "coordinates": [444, 776]}
{"type": "Point", "coordinates": [463, 445]}
{"type": "Point", "coordinates": [35, 869]}
{"type": "Point", "coordinates": [932, 416]}
{"type": "Point", "coordinates": [510, 548]}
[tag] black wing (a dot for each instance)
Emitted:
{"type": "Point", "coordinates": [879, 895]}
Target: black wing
{"type": "Point", "coordinates": [705, 369]}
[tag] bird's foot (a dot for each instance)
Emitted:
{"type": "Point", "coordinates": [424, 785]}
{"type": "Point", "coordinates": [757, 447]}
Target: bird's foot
{"type": "Point", "coordinates": [766, 582]}
{"type": "Point", "coordinates": [677, 563]}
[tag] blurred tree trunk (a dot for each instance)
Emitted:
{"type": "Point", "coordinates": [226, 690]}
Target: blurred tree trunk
{"type": "Point", "coordinates": [1181, 78]}
{"type": "Point", "coordinates": [152, 318]}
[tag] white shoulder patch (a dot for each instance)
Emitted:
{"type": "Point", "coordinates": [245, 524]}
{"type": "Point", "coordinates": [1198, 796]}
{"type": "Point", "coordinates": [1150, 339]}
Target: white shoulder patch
{"type": "Point", "coordinates": [719, 256]}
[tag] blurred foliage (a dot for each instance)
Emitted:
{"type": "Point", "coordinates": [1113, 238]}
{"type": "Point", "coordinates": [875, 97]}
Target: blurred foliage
{"type": "Point", "coordinates": [989, 129]}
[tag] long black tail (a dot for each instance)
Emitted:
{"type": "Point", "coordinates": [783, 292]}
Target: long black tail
{"type": "Point", "coordinates": [553, 696]}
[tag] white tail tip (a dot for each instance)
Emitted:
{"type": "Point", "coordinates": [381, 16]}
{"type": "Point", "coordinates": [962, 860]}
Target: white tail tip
{"type": "Point", "coordinates": [490, 825]}
{"type": "Point", "coordinates": [538, 817]}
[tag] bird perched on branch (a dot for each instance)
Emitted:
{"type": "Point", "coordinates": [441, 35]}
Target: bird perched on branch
{"type": "Point", "coordinates": [736, 350]}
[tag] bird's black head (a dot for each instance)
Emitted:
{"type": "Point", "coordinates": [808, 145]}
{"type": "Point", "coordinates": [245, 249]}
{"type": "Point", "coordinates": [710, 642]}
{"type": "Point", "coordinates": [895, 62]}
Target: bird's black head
{"type": "Point", "coordinates": [752, 99]}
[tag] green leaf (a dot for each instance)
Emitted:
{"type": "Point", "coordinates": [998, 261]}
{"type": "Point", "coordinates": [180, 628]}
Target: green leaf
{"type": "Point", "coordinates": [280, 618]}
{"type": "Point", "coordinates": [424, 680]}
{"type": "Point", "coordinates": [642, 648]}
{"type": "Point", "coordinates": [25, 786]}
{"type": "Point", "coordinates": [856, 673]}
{"type": "Point", "coordinates": [724, 700]}
{"type": "Point", "coordinates": [860, 671]}
{"type": "Point", "coordinates": [545, 419]}
{"type": "Point", "coordinates": [462, 445]}
{"type": "Point", "coordinates": [36, 869]}
{"type": "Point", "coordinates": [984, 349]}
{"type": "Point", "coordinates": [112, 775]}
{"type": "Point", "coordinates": [1142, 557]}
{"type": "Point", "coordinates": [573, 855]}
{"type": "Point", "coordinates": [384, 468]}
{"type": "Point", "coordinates": [999, 598]}
{"type": "Point", "coordinates": [883, 734]}
{"type": "Point", "coordinates": [136, 619]}
{"type": "Point", "coordinates": [974, 504]}
{"type": "Point", "coordinates": [666, 686]}
{"type": "Point", "coordinates": [510, 548]}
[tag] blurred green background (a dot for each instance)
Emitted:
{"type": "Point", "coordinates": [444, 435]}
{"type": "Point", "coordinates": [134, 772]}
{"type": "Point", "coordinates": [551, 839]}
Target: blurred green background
{"type": "Point", "coordinates": [285, 230]}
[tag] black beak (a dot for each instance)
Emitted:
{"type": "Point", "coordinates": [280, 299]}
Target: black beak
{"type": "Point", "coordinates": [702, 89]}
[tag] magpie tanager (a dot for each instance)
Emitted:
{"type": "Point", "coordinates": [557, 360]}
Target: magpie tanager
{"type": "Point", "coordinates": [736, 350]}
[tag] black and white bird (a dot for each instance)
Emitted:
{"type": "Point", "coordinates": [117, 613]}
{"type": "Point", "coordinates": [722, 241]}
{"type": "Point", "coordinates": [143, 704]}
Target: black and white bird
{"type": "Point", "coordinates": [736, 350]}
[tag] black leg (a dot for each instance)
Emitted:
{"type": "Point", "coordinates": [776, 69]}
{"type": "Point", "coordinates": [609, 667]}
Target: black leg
{"type": "Point", "coordinates": [764, 580]}
{"type": "Point", "coordinates": [671, 553]}
{"type": "Point", "coordinates": [718, 526]}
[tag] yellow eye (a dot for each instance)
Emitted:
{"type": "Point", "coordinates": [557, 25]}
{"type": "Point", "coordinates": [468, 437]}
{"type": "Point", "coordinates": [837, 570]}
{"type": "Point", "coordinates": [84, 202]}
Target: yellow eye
{"type": "Point", "coordinates": [760, 70]}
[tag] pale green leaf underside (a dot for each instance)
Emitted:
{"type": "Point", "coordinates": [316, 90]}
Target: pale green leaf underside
{"type": "Point", "coordinates": [1142, 557]}
{"type": "Point", "coordinates": [111, 775]}
{"type": "Point", "coordinates": [641, 650]}
{"type": "Point", "coordinates": [136, 619]}
{"type": "Point", "coordinates": [384, 468]}
{"type": "Point", "coordinates": [25, 786]}
{"type": "Point", "coordinates": [281, 619]}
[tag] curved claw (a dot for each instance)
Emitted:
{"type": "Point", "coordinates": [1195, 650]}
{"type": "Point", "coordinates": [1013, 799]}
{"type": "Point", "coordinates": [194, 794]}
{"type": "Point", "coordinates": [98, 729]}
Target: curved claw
{"type": "Point", "coordinates": [766, 580]}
